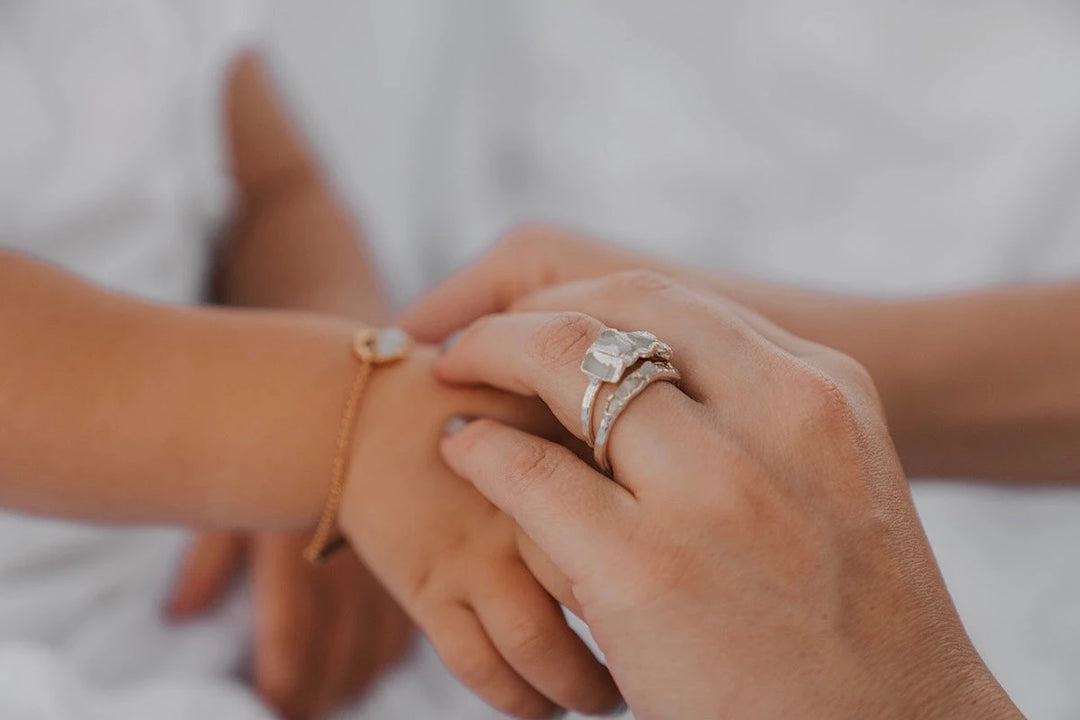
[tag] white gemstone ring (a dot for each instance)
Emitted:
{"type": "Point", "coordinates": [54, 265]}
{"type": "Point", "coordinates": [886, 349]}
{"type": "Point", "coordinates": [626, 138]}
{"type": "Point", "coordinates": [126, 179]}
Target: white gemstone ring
{"type": "Point", "coordinates": [607, 360]}
{"type": "Point", "coordinates": [634, 384]}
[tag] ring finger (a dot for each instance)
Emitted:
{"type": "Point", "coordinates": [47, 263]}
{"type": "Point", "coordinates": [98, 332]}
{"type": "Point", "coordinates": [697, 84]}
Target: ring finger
{"type": "Point", "coordinates": [540, 354]}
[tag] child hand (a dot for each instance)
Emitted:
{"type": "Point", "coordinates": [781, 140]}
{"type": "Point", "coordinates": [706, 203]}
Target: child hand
{"type": "Point", "coordinates": [451, 559]}
{"type": "Point", "coordinates": [323, 634]}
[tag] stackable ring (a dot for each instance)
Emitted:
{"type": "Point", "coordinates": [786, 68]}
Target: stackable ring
{"type": "Point", "coordinates": [634, 384]}
{"type": "Point", "coordinates": [607, 360]}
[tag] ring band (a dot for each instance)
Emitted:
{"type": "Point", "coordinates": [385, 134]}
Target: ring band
{"type": "Point", "coordinates": [587, 403]}
{"type": "Point", "coordinates": [634, 384]}
{"type": "Point", "coordinates": [611, 354]}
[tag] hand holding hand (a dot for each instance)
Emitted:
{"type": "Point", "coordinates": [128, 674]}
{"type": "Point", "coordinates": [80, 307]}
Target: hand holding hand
{"type": "Point", "coordinates": [459, 566]}
{"type": "Point", "coordinates": [758, 553]}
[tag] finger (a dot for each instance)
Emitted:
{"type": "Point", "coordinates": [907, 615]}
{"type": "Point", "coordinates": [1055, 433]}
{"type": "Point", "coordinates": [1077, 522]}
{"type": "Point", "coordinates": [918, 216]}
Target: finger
{"type": "Point", "coordinates": [289, 615]}
{"type": "Point", "coordinates": [515, 267]}
{"type": "Point", "coordinates": [525, 259]}
{"type": "Point", "coordinates": [348, 634]}
{"type": "Point", "coordinates": [396, 634]}
{"type": "Point", "coordinates": [366, 623]}
{"type": "Point", "coordinates": [210, 563]}
{"type": "Point", "coordinates": [717, 343]}
{"type": "Point", "coordinates": [539, 353]}
{"type": "Point", "coordinates": [464, 646]}
{"type": "Point", "coordinates": [567, 508]}
{"type": "Point", "coordinates": [706, 333]}
{"type": "Point", "coordinates": [546, 572]}
{"type": "Point", "coordinates": [530, 631]}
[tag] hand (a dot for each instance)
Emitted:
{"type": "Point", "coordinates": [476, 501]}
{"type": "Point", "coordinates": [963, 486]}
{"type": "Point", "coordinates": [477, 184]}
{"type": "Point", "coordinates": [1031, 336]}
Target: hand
{"type": "Point", "coordinates": [453, 561]}
{"type": "Point", "coordinates": [536, 256]}
{"type": "Point", "coordinates": [758, 553]}
{"type": "Point", "coordinates": [323, 634]}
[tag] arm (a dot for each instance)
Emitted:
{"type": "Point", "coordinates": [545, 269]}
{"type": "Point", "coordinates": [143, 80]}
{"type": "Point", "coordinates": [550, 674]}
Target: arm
{"type": "Point", "coordinates": [291, 245]}
{"type": "Point", "coordinates": [121, 410]}
{"type": "Point", "coordinates": [117, 409]}
{"type": "Point", "coordinates": [983, 384]}
{"type": "Point", "coordinates": [105, 392]}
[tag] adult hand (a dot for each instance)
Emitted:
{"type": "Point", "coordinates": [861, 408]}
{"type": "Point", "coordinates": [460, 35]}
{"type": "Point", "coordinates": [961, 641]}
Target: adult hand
{"type": "Point", "coordinates": [758, 553]}
{"type": "Point", "coordinates": [323, 634]}
{"type": "Point", "coordinates": [536, 256]}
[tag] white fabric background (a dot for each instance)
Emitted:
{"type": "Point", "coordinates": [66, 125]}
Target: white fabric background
{"type": "Point", "coordinates": [874, 145]}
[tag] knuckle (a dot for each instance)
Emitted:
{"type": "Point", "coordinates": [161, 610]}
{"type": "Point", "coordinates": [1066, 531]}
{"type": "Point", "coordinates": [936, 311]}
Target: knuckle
{"type": "Point", "coordinates": [857, 374]}
{"type": "Point", "coordinates": [825, 408]}
{"type": "Point", "coordinates": [530, 463]}
{"type": "Point", "coordinates": [529, 641]}
{"type": "Point", "coordinates": [563, 338]}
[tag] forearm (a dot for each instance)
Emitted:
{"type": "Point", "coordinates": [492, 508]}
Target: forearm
{"type": "Point", "coordinates": [293, 243]}
{"type": "Point", "coordinates": [295, 246]}
{"type": "Point", "coordinates": [983, 384]}
{"type": "Point", "coordinates": [120, 410]}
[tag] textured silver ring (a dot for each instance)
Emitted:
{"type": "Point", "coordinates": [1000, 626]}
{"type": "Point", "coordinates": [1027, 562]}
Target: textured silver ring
{"type": "Point", "coordinates": [634, 384]}
{"type": "Point", "coordinates": [607, 360]}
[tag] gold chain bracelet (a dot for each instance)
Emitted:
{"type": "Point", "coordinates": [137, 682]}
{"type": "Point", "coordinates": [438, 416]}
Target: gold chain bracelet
{"type": "Point", "coordinates": [371, 347]}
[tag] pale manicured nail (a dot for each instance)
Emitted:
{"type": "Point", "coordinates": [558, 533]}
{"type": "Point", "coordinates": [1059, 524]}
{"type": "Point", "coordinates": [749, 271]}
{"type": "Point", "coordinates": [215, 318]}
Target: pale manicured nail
{"type": "Point", "coordinates": [449, 342]}
{"type": "Point", "coordinates": [455, 424]}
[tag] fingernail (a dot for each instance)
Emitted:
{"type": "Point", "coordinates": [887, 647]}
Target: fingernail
{"type": "Point", "coordinates": [455, 424]}
{"type": "Point", "coordinates": [560, 713]}
{"type": "Point", "coordinates": [449, 342]}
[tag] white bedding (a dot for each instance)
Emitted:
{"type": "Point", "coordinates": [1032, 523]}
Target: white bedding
{"type": "Point", "coordinates": [883, 146]}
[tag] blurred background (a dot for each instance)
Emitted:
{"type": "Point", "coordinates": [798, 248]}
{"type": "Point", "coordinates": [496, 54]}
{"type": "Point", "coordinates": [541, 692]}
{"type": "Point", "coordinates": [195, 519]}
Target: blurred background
{"type": "Point", "coordinates": [885, 147]}
{"type": "Point", "coordinates": [877, 146]}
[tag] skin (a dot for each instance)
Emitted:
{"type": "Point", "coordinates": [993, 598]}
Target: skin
{"type": "Point", "coordinates": [232, 413]}
{"type": "Point", "coordinates": [756, 553]}
{"type": "Point", "coordinates": [992, 391]}
{"type": "Point", "coordinates": [322, 633]}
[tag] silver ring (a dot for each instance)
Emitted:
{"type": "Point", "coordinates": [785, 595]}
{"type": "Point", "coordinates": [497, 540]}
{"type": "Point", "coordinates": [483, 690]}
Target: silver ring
{"type": "Point", "coordinates": [634, 384]}
{"type": "Point", "coordinates": [612, 353]}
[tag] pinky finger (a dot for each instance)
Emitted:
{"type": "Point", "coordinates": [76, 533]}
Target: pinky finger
{"type": "Point", "coordinates": [465, 649]}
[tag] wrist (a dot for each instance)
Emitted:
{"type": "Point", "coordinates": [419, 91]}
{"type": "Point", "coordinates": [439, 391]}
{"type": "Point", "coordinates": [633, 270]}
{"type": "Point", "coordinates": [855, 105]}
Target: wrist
{"type": "Point", "coordinates": [388, 388]}
{"type": "Point", "coordinates": [275, 414]}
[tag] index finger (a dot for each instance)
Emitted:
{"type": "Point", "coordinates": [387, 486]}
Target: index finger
{"type": "Point", "coordinates": [540, 354]}
{"type": "Point", "coordinates": [572, 513]}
